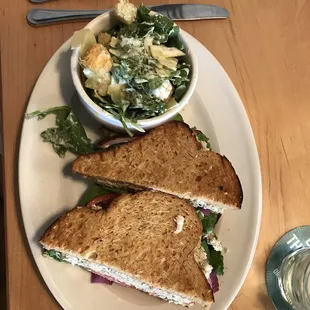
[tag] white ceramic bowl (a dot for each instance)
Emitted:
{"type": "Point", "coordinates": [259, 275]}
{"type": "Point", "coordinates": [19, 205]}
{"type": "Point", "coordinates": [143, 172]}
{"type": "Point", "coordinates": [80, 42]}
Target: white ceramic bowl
{"type": "Point", "coordinates": [107, 21]}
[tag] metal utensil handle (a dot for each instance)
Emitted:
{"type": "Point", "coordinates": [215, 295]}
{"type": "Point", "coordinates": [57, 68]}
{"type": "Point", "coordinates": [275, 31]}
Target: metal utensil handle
{"type": "Point", "coordinates": [39, 1]}
{"type": "Point", "coordinates": [41, 17]}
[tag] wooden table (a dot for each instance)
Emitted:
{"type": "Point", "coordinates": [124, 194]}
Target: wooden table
{"type": "Point", "coordinates": [265, 48]}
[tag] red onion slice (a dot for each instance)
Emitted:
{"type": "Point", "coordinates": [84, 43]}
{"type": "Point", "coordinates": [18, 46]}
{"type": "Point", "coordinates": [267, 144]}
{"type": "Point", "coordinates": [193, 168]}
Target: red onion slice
{"type": "Point", "coordinates": [213, 281]}
{"type": "Point", "coordinates": [95, 278]}
{"type": "Point", "coordinates": [101, 201]}
{"type": "Point", "coordinates": [105, 143]}
{"type": "Point", "coordinates": [205, 212]}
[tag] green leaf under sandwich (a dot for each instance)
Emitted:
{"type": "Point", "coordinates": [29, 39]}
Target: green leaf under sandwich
{"type": "Point", "coordinates": [208, 222]}
{"type": "Point", "coordinates": [96, 190]}
{"type": "Point", "coordinates": [68, 135]}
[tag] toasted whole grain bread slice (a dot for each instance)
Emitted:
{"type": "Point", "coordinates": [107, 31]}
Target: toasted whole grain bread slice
{"type": "Point", "coordinates": [168, 159]}
{"type": "Point", "coordinates": [136, 236]}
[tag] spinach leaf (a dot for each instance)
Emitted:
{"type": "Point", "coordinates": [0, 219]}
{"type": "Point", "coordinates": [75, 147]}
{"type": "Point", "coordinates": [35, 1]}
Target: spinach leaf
{"type": "Point", "coordinates": [208, 223]}
{"type": "Point", "coordinates": [216, 260]}
{"type": "Point", "coordinates": [129, 31]}
{"type": "Point", "coordinates": [69, 135]}
{"type": "Point", "coordinates": [179, 118]}
{"type": "Point", "coordinates": [200, 136]}
{"type": "Point", "coordinates": [119, 113]}
{"type": "Point", "coordinates": [143, 14]}
{"type": "Point", "coordinates": [54, 254]}
{"type": "Point", "coordinates": [181, 75]}
{"type": "Point", "coordinates": [96, 190]}
{"type": "Point", "coordinates": [180, 79]}
{"type": "Point", "coordinates": [179, 92]}
{"type": "Point", "coordinates": [175, 41]}
{"type": "Point", "coordinates": [174, 32]}
{"type": "Point", "coordinates": [115, 30]}
{"type": "Point", "coordinates": [145, 29]}
{"type": "Point", "coordinates": [205, 246]}
{"type": "Point", "coordinates": [138, 100]}
{"type": "Point", "coordinates": [161, 28]}
{"type": "Point", "coordinates": [155, 83]}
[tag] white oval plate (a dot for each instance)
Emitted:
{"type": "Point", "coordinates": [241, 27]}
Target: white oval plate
{"type": "Point", "coordinates": [47, 187]}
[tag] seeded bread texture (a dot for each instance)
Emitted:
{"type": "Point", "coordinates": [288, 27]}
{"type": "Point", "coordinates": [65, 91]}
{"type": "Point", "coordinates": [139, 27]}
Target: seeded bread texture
{"type": "Point", "coordinates": [169, 159]}
{"type": "Point", "coordinates": [136, 235]}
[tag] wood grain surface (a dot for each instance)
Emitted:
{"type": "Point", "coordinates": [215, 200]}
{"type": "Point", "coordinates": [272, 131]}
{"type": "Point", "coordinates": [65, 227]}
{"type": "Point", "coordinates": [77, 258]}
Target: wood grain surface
{"type": "Point", "coordinates": [264, 47]}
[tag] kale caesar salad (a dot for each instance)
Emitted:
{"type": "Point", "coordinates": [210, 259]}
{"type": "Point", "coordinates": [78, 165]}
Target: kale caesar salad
{"type": "Point", "coordinates": [138, 69]}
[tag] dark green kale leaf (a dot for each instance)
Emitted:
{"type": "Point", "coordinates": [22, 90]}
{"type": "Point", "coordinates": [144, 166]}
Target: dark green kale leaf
{"type": "Point", "coordinates": [54, 254]}
{"type": "Point", "coordinates": [175, 42]}
{"type": "Point", "coordinates": [179, 92]}
{"type": "Point", "coordinates": [145, 28]}
{"type": "Point", "coordinates": [155, 83]}
{"type": "Point", "coordinates": [208, 222]}
{"type": "Point", "coordinates": [136, 29]}
{"type": "Point", "coordinates": [119, 113]}
{"type": "Point", "coordinates": [179, 118]}
{"type": "Point", "coordinates": [174, 32]}
{"type": "Point", "coordinates": [142, 104]}
{"type": "Point", "coordinates": [127, 69]}
{"type": "Point", "coordinates": [216, 260]}
{"type": "Point", "coordinates": [180, 79]}
{"type": "Point", "coordinates": [69, 135]}
{"type": "Point", "coordinates": [160, 37]}
{"type": "Point", "coordinates": [200, 214]}
{"type": "Point", "coordinates": [143, 25]}
{"type": "Point", "coordinates": [205, 246]}
{"type": "Point", "coordinates": [129, 31]}
{"type": "Point", "coordinates": [115, 30]}
{"type": "Point", "coordinates": [174, 39]}
{"type": "Point", "coordinates": [200, 136]}
{"type": "Point", "coordinates": [143, 14]}
{"type": "Point", "coordinates": [161, 28]}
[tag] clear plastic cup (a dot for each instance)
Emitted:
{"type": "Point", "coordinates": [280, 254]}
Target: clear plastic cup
{"type": "Point", "coordinates": [294, 279]}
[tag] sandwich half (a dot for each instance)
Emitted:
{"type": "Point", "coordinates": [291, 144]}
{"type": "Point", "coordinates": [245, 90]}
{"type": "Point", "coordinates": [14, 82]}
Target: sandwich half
{"type": "Point", "coordinates": [148, 240]}
{"type": "Point", "coordinates": [169, 159]}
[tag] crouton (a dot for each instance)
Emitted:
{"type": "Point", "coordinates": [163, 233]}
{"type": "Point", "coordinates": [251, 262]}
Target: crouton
{"type": "Point", "coordinates": [125, 11]}
{"type": "Point", "coordinates": [97, 59]}
{"type": "Point", "coordinates": [104, 38]}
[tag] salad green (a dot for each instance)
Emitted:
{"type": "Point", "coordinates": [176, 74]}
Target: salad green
{"type": "Point", "coordinates": [96, 190]}
{"type": "Point", "coordinates": [200, 136]}
{"type": "Point", "coordinates": [137, 70]}
{"type": "Point", "coordinates": [54, 254]}
{"type": "Point", "coordinates": [208, 222]}
{"type": "Point", "coordinates": [68, 135]}
{"type": "Point", "coordinates": [215, 258]}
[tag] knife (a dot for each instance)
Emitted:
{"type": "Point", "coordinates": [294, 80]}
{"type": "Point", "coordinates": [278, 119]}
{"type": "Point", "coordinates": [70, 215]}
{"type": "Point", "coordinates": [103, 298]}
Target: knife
{"type": "Point", "coordinates": [44, 17]}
